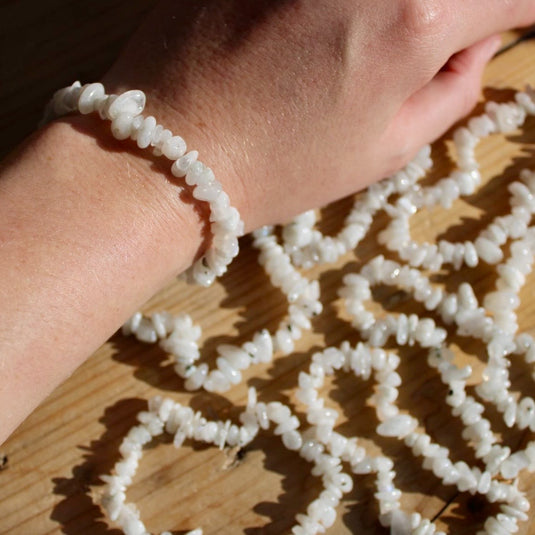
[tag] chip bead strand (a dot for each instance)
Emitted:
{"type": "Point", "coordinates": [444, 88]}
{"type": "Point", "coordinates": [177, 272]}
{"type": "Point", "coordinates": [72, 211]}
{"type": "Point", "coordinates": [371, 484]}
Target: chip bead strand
{"type": "Point", "coordinates": [127, 122]}
{"type": "Point", "coordinates": [336, 459]}
{"type": "Point", "coordinates": [498, 118]}
{"type": "Point", "coordinates": [179, 336]}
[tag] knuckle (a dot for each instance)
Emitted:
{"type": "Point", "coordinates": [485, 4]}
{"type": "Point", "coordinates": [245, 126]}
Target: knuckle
{"type": "Point", "coordinates": [423, 19]}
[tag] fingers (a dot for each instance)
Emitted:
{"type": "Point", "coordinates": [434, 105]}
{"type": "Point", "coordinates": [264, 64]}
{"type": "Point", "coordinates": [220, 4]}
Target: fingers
{"type": "Point", "coordinates": [495, 16]}
{"type": "Point", "coordinates": [450, 95]}
{"type": "Point", "coordinates": [476, 20]}
{"type": "Point", "coordinates": [428, 32]}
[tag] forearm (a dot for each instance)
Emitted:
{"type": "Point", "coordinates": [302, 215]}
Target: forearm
{"type": "Point", "coordinates": [88, 232]}
{"type": "Point", "coordinates": [288, 104]}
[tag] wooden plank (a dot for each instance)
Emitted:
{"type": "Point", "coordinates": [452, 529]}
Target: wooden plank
{"type": "Point", "coordinates": [55, 458]}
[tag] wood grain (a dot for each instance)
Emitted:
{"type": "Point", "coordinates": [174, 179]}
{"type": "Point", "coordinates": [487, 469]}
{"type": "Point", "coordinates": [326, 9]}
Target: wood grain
{"type": "Point", "coordinates": [52, 462]}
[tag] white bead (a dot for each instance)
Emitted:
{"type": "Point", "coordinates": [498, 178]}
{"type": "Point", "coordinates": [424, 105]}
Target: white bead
{"type": "Point", "coordinates": [470, 254]}
{"type": "Point", "coordinates": [207, 193]}
{"type": "Point", "coordinates": [218, 381]}
{"type": "Point", "coordinates": [264, 342]}
{"type": "Point", "coordinates": [233, 375]}
{"type": "Point", "coordinates": [137, 123]}
{"type": "Point", "coordinates": [114, 505]}
{"type": "Point", "coordinates": [174, 148]}
{"type": "Point", "coordinates": [121, 126]}
{"type": "Point", "coordinates": [220, 207]}
{"type": "Point", "coordinates": [197, 378]}
{"type": "Point", "coordinates": [284, 341]}
{"type": "Point", "coordinates": [194, 172]}
{"type": "Point", "coordinates": [512, 278]}
{"type": "Point", "coordinates": [131, 102]}
{"type": "Point", "coordinates": [89, 96]}
{"type": "Point", "coordinates": [202, 274]}
{"type": "Point", "coordinates": [526, 101]}
{"type": "Point", "coordinates": [65, 100]}
{"type": "Point", "coordinates": [226, 244]}
{"type": "Point", "coordinates": [343, 482]}
{"type": "Point", "coordinates": [292, 440]}
{"type": "Point", "coordinates": [144, 135]}
{"type": "Point", "coordinates": [338, 444]}
{"type": "Point", "coordinates": [235, 356]}
{"type": "Point", "coordinates": [488, 250]}
{"type": "Point", "coordinates": [497, 301]}
{"type": "Point", "coordinates": [146, 332]}
{"type": "Point", "coordinates": [180, 167]}
{"type": "Point", "coordinates": [400, 523]}
{"type": "Point", "coordinates": [229, 222]}
{"type": "Point", "coordinates": [512, 512]}
{"type": "Point", "coordinates": [481, 126]}
{"type": "Point", "coordinates": [156, 138]}
{"type": "Point", "coordinates": [397, 426]}
{"type": "Point", "coordinates": [484, 483]}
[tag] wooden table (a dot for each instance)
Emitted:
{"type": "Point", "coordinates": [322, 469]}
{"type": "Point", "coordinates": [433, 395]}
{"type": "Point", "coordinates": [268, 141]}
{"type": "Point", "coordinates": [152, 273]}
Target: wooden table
{"type": "Point", "coordinates": [51, 464]}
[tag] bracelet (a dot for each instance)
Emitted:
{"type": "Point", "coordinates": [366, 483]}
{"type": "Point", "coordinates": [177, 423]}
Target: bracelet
{"type": "Point", "coordinates": [124, 112]}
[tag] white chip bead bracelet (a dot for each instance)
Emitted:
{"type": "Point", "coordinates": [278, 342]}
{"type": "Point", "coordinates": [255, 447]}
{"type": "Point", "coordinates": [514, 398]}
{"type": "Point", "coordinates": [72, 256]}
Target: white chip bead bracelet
{"type": "Point", "coordinates": [127, 122]}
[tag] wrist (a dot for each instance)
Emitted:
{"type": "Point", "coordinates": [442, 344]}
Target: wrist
{"type": "Point", "coordinates": [89, 231]}
{"type": "Point", "coordinates": [133, 189]}
{"type": "Point", "coordinates": [203, 120]}
{"type": "Point", "coordinates": [127, 122]}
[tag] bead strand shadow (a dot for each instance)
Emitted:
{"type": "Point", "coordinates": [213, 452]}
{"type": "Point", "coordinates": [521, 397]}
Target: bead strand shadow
{"type": "Point", "coordinates": [298, 486]}
{"type": "Point", "coordinates": [247, 293]}
{"type": "Point", "coordinates": [445, 429]}
{"type": "Point", "coordinates": [76, 513]}
{"type": "Point", "coordinates": [351, 396]}
{"type": "Point", "coordinates": [364, 504]}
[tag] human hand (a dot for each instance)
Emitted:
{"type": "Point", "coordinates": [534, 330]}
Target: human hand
{"type": "Point", "coordinates": [296, 104]}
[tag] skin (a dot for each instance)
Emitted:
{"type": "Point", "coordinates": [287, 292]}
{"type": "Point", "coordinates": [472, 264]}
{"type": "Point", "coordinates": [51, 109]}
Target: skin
{"type": "Point", "coordinates": [292, 103]}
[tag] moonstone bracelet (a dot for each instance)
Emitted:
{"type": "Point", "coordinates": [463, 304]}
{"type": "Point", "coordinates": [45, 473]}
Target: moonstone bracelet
{"type": "Point", "coordinates": [124, 112]}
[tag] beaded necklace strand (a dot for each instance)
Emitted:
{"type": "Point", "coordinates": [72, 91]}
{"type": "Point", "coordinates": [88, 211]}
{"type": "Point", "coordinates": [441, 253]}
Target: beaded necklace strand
{"type": "Point", "coordinates": [334, 458]}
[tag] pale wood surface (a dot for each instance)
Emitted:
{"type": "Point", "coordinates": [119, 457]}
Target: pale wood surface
{"type": "Point", "coordinates": [54, 459]}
